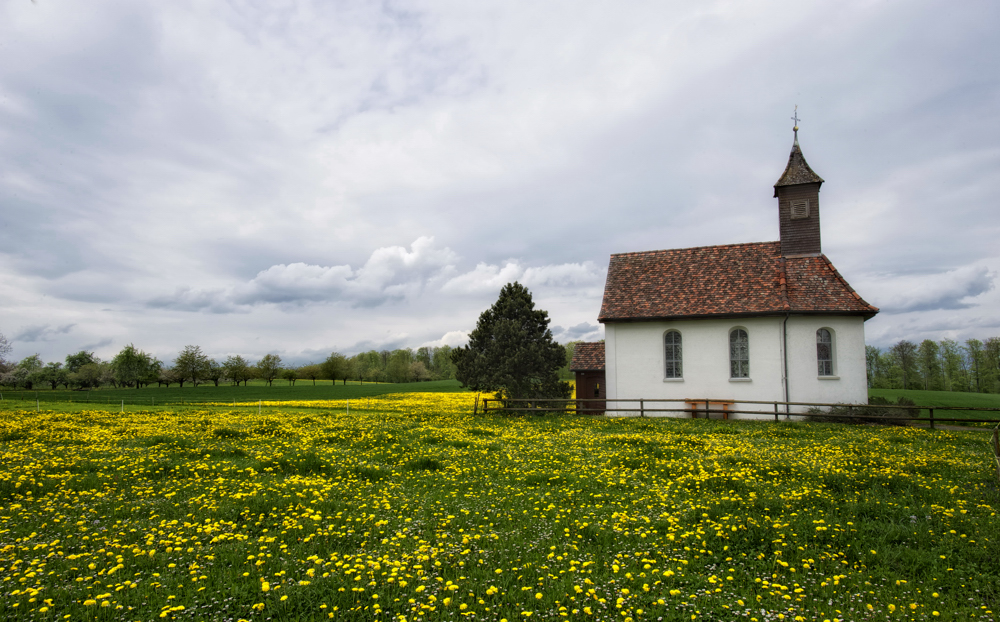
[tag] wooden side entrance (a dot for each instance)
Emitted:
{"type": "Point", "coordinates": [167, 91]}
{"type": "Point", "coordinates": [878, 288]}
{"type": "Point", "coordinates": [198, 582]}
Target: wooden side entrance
{"type": "Point", "coordinates": [590, 386]}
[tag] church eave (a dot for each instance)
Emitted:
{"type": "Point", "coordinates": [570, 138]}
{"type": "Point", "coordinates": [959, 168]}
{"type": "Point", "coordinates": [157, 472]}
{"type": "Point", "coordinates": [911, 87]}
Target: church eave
{"type": "Point", "coordinates": [866, 314]}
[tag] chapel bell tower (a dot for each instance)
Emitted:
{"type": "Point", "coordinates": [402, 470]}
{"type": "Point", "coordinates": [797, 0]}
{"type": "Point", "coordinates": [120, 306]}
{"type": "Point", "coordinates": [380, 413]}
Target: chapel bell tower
{"type": "Point", "coordinates": [798, 204]}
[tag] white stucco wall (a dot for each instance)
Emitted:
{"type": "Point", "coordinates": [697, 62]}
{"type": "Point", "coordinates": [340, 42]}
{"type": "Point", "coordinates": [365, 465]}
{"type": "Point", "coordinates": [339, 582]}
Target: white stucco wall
{"type": "Point", "coordinates": [634, 357]}
{"type": "Point", "coordinates": [849, 383]}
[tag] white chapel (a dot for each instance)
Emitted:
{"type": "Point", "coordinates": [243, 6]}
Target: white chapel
{"type": "Point", "coordinates": [764, 321]}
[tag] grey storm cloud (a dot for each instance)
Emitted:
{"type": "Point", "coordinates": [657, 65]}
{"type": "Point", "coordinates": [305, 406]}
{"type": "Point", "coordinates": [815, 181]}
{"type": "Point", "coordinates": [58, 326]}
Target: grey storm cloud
{"type": "Point", "coordinates": [44, 332]}
{"type": "Point", "coordinates": [949, 290]}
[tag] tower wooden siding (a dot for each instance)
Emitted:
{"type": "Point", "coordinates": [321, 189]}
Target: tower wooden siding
{"type": "Point", "coordinates": [799, 236]}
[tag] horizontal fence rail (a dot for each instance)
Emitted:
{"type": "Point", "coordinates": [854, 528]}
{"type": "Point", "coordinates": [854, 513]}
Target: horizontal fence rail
{"type": "Point", "coordinates": [695, 407]}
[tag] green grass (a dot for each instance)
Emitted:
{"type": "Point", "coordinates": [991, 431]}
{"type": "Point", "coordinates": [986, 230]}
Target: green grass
{"type": "Point", "coordinates": [256, 390]}
{"type": "Point", "coordinates": [941, 398]}
{"type": "Point", "coordinates": [412, 507]}
{"type": "Point", "coordinates": [953, 399]}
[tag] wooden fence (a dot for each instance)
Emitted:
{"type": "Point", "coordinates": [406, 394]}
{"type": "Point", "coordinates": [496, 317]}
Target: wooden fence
{"type": "Point", "coordinates": [708, 408]}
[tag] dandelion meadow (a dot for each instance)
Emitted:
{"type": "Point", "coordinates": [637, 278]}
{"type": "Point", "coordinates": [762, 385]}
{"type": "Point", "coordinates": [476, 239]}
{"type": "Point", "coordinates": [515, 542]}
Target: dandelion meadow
{"type": "Point", "coordinates": [411, 508]}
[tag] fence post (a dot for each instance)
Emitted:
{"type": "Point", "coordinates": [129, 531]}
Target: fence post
{"type": "Point", "coordinates": [932, 417]}
{"type": "Point", "coordinates": [486, 405]}
{"type": "Point", "coordinates": [642, 408]}
{"type": "Point", "coordinates": [776, 412]}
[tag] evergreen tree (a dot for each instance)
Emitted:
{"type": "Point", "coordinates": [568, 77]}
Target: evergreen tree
{"type": "Point", "coordinates": [511, 351]}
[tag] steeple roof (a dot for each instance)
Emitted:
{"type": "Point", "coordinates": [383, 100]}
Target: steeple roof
{"type": "Point", "coordinates": [797, 171]}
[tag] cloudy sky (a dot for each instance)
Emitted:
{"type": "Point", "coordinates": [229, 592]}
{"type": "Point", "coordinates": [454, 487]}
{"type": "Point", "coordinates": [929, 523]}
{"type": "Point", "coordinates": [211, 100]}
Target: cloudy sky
{"type": "Point", "coordinates": [258, 176]}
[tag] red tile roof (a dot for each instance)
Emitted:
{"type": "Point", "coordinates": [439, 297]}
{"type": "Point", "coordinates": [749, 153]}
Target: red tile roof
{"type": "Point", "coordinates": [588, 356]}
{"type": "Point", "coordinates": [721, 281]}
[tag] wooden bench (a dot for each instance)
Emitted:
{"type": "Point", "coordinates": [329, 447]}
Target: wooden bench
{"type": "Point", "coordinates": [713, 407]}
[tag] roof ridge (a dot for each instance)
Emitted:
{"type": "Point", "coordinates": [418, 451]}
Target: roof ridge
{"type": "Point", "coordinates": [693, 248]}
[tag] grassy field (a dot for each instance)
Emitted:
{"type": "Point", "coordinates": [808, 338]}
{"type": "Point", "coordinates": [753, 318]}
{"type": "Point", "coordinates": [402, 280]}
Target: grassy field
{"type": "Point", "coordinates": [410, 508]}
{"type": "Point", "coordinates": [953, 399]}
{"type": "Point", "coordinates": [303, 390]}
{"type": "Point", "coordinates": [941, 398]}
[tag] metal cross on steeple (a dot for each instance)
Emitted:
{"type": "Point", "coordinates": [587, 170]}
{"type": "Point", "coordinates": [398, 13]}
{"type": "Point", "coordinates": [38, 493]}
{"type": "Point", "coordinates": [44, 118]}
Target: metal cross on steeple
{"type": "Point", "coordinates": [795, 118]}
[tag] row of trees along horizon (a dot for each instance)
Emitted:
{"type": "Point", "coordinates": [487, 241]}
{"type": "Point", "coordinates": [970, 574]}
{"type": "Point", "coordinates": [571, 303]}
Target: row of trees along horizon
{"type": "Point", "coordinates": [134, 368]}
{"type": "Point", "coordinates": [946, 365]}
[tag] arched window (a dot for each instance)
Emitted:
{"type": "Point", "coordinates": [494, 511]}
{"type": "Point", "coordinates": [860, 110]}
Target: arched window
{"type": "Point", "coordinates": [672, 354]}
{"type": "Point", "coordinates": [739, 353]}
{"type": "Point", "coordinates": [824, 352]}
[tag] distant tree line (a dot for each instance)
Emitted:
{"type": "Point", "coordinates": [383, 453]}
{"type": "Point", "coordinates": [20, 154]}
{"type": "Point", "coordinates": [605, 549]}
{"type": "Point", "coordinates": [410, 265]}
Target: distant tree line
{"type": "Point", "coordinates": [946, 365]}
{"type": "Point", "coordinates": [134, 368]}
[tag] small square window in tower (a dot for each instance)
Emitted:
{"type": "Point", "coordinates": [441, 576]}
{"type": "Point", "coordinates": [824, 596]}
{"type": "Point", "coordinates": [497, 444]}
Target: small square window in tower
{"type": "Point", "coordinates": [799, 209]}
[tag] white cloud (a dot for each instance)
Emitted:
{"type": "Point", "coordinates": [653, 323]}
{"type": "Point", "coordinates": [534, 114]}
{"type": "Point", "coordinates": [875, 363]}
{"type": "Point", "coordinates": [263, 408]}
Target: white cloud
{"type": "Point", "coordinates": [490, 278]}
{"type": "Point", "coordinates": [584, 331]}
{"type": "Point", "coordinates": [484, 278]}
{"type": "Point", "coordinates": [453, 338]}
{"type": "Point", "coordinates": [391, 274]}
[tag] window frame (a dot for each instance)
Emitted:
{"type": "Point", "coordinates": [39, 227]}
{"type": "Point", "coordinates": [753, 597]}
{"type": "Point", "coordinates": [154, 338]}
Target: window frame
{"type": "Point", "coordinates": [825, 367]}
{"type": "Point", "coordinates": [739, 368]}
{"type": "Point", "coordinates": [673, 363]}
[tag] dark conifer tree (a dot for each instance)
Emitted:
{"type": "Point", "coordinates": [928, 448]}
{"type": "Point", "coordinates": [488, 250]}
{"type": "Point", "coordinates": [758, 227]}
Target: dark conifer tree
{"type": "Point", "coordinates": [511, 351]}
